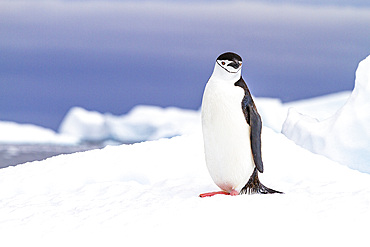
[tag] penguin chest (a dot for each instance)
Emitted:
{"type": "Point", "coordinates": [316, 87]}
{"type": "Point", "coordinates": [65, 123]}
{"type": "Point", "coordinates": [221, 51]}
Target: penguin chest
{"type": "Point", "coordinates": [226, 136]}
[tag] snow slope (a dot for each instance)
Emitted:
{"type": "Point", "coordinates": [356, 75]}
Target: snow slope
{"type": "Point", "coordinates": [345, 135]}
{"type": "Point", "coordinates": [146, 194]}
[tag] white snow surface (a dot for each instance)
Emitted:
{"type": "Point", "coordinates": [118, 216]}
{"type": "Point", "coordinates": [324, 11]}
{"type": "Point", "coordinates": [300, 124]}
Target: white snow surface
{"type": "Point", "coordinates": [345, 135]}
{"type": "Point", "coordinates": [146, 194]}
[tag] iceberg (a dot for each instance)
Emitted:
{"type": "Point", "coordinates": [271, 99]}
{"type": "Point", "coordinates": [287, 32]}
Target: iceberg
{"type": "Point", "coordinates": [16, 133]}
{"type": "Point", "coordinates": [142, 123]}
{"type": "Point", "coordinates": [343, 137]}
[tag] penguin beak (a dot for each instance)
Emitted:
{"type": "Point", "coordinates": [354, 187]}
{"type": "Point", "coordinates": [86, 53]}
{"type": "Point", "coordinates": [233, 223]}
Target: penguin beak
{"type": "Point", "coordinates": [234, 64]}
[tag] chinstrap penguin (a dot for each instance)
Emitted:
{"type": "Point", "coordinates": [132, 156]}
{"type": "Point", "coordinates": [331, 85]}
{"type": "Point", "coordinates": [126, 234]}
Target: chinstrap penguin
{"type": "Point", "coordinates": [231, 129]}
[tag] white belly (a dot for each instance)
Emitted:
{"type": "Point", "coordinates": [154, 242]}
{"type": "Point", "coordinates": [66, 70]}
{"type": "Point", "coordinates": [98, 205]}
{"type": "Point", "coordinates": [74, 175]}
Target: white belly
{"type": "Point", "coordinates": [226, 136]}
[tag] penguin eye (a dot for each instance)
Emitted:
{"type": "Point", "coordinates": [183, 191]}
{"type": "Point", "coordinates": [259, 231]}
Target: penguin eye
{"type": "Point", "coordinates": [223, 63]}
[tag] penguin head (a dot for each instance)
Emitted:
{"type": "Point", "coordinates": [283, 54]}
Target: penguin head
{"type": "Point", "coordinates": [229, 61]}
{"type": "Point", "coordinates": [228, 66]}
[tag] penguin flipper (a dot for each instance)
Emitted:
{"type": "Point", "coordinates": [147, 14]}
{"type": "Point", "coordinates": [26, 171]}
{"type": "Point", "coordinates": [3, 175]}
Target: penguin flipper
{"type": "Point", "coordinates": [255, 136]}
{"type": "Point", "coordinates": [254, 186]}
{"type": "Point", "coordinates": [254, 121]}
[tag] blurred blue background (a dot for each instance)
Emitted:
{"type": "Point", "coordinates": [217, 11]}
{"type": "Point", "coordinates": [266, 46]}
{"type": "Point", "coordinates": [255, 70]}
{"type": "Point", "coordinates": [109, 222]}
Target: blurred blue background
{"type": "Point", "coordinates": [112, 55]}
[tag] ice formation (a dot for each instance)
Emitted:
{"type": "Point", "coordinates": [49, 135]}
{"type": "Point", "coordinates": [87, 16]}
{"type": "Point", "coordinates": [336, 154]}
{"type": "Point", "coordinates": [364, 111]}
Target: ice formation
{"type": "Point", "coordinates": [13, 133]}
{"type": "Point", "coordinates": [142, 123]}
{"type": "Point", "coordinates": [343, 137]}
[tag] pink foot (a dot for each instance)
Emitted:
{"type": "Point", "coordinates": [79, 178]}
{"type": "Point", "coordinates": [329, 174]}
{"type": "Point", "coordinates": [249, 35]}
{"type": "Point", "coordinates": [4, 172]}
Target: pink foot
{"type": "Point", "coordinates": [232, 193]}
{"type": "Point", "coordinates": [214, 193]}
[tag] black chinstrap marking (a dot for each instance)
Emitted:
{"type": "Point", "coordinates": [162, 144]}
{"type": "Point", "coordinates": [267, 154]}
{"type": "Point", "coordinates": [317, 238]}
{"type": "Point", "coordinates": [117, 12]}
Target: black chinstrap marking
{"type": "Point", "coordinates": [254, 186]}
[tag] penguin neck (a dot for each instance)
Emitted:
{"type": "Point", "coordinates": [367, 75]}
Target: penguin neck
{"type": "Point", "coordinates": [221, 74]}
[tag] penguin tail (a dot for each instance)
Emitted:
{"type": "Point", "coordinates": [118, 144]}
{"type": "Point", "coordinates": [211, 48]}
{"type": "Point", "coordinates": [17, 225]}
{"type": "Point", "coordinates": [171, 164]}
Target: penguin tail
{"type": "Point", "coordinates": [254, 186]}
